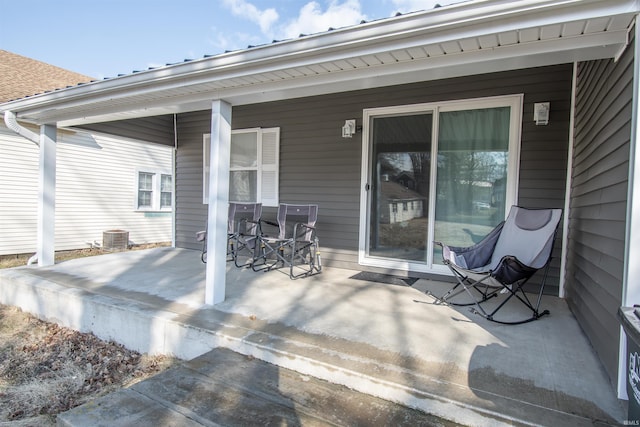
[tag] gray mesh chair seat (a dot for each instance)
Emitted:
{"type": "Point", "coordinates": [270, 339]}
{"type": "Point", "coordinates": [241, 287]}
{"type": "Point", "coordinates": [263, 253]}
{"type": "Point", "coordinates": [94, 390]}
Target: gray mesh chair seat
{"type": "Point", "coordinates": [242, 230]}
{"type": "Point", "coordinates": [294, 245]}
{"type": "Point", "coordinates": [503, 262]}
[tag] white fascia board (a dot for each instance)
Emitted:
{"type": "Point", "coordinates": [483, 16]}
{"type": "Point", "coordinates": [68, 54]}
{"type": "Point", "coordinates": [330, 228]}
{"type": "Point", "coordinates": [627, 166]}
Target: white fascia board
{"type": "Point", "coordinates": [445, 67]}
{"type": "Point", "coordinates": [334, 46]}
{"type": "Point", "coordinates": [98, 109]}
{"type": "Point", "coordinates": [471, 19]}
{"type": "Point", "coordinates": [534, 54]}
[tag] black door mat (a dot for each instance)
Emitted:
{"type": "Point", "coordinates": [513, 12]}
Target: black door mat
{"type": "Point", "coordinates": [385, 278]}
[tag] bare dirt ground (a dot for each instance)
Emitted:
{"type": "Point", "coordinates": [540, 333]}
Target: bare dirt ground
{"type": "Point", "coordinates": [8, 261]}
{"type": "Point", "coordinates": [46, 369]}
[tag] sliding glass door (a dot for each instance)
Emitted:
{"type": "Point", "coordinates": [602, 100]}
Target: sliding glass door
{"type": "Point", "coordinates": [401, 154]}
{"type": "Point", "coordinates": [444, 172]}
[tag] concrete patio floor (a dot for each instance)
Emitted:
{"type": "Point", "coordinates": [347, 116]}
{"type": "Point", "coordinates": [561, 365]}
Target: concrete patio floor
{"type": "Point", "coordinates": [386, 340]}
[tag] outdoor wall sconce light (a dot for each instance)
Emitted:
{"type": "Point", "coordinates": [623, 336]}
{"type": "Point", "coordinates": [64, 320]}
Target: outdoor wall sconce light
{"type": "Point", "coordinates": [350, 128]}
{"type": "Point", "coordinates": [541, 113]}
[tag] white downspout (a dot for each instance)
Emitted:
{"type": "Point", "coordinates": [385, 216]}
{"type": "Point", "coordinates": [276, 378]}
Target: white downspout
{"type": "Point", "coordinates": [12, 123]}
{"type": "Point", "coordinates": [174, 154]}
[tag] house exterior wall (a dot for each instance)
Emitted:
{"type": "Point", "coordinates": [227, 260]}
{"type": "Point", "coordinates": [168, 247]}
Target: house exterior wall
{"type": "Point", "coordinates": [401, 211]}
{"type": "Point", "coordinates": [191, 212]}
{"type": "Point", "coordinates": [595, 264]}
{"type": "Point", "coordinates": [318, 166]}
{"type": "Point", "coordinates": [96, 190]}
{"type": "Point", "coordinates": [155, 129]}
{"type": "Point", "coordinates": [18, 193]}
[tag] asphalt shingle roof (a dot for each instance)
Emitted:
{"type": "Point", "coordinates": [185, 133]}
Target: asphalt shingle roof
{"type": "Point", "coordinates": [21, 77]}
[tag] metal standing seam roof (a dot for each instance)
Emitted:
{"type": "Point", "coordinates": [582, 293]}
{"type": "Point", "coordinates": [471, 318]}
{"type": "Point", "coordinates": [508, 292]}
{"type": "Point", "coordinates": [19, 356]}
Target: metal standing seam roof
{"type": "Point", "coordinates": [461, 39]}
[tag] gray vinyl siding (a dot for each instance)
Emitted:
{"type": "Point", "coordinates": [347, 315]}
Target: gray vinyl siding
{"type": "Point", "coordinates": [595, 264]}
{"type": "Point", "coordinates": [318, 166]}
{"type": "Point", "coordinates": [191, 213]}
{"type": "Point", "coordinates": [156, 129]}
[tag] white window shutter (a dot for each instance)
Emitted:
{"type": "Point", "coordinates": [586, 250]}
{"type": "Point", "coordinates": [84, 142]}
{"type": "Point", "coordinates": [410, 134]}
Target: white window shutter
{"type": "Point", "coordinates": [270, 166]}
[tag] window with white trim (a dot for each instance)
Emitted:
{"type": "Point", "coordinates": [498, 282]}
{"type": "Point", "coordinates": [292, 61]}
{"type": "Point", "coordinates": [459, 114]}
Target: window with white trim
{"type": "Point", "coordinates": [253, 166]}
{"type": "Point", "coordinates": [166, 191]}
{"type": "Point", "coordinates": [154, 191]}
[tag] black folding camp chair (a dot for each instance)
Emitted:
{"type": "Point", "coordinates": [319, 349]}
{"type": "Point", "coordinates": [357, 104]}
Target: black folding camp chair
{"type": "Point", "coordinates": [295, 245]}
{"type": "Point", "coordinates": [242, 229]}
{"type": "Point", "coordinates": [503, 262]}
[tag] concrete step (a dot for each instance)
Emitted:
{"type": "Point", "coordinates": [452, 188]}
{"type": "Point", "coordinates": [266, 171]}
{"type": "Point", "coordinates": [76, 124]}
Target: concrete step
{"type": "Point", "coordinates": [481, 394]}
{"type": "Point", "coordinates": [223, 387]}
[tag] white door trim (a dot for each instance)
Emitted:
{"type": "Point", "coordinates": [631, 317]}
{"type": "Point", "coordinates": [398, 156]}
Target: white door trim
{"type": "Point", "coordinates": [514, 101]}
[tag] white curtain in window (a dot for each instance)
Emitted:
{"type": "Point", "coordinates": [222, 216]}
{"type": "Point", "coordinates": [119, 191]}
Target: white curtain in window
{"type": "Point", "coordinates": [485, 129]}
{"type": "Point", "coordinates": [473, 152]}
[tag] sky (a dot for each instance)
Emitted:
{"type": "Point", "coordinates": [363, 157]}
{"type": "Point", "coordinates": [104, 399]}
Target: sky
{"type": "Point", "coordinates": [105, 38]}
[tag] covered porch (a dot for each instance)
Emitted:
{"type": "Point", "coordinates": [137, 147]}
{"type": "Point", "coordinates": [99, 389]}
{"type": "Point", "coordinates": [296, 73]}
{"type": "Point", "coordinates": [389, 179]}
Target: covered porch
{"type": "Point", "coordinates": [388, 340]}
{"type": "Point", "coordinates": [580, 58]}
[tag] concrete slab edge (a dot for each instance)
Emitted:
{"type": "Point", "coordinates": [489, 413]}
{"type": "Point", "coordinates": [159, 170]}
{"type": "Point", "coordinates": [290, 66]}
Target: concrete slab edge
{"type": "Point", "coordinates": [149, 330]}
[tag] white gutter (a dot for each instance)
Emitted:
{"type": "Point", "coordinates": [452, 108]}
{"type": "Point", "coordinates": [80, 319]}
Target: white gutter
{"type": "Point", "coordinates": [12, 123]}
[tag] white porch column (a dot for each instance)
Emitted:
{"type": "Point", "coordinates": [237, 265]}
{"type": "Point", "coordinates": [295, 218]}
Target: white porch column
{"type": "Point", "coordinates": [631, 279]}
{"type": "Point", "coordinates": [47, 196]}
{"type": "Point", "coordinates": [216, 271]}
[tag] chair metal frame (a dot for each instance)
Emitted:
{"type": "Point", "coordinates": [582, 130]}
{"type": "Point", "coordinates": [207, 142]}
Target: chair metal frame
{"type": "Point", "coordinates": [298, 249]}
{"type": "Point", "coordinates": [242, 229]}
{"type": "Point", "coordinates": [242, 232]}
{"type": "Point", "coordinates": [506, 276]}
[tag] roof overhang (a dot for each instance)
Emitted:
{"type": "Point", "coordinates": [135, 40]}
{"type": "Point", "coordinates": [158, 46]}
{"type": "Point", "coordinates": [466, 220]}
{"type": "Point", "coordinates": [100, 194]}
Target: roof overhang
{"type": "Point", "coordinates": [463, 39]}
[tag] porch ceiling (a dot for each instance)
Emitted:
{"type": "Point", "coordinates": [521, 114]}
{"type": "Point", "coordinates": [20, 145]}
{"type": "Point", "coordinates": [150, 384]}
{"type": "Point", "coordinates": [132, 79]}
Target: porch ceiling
{"type": "Point", "coordinates": [464, 39]}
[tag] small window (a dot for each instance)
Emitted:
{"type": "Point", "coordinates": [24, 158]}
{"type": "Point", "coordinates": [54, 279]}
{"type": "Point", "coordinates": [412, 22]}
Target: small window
{"type": "Point", "coordinates": [145, 190]}
{"type": "Point", "coordinates": [166, 191]}
{"type": "Point", "coordinates": [155, 191]}
{"type": "Point", "coordinates": [253, 166]}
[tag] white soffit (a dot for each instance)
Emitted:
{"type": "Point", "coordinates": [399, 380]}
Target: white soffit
{"type": "Point", "coordinates": [464, 39]}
